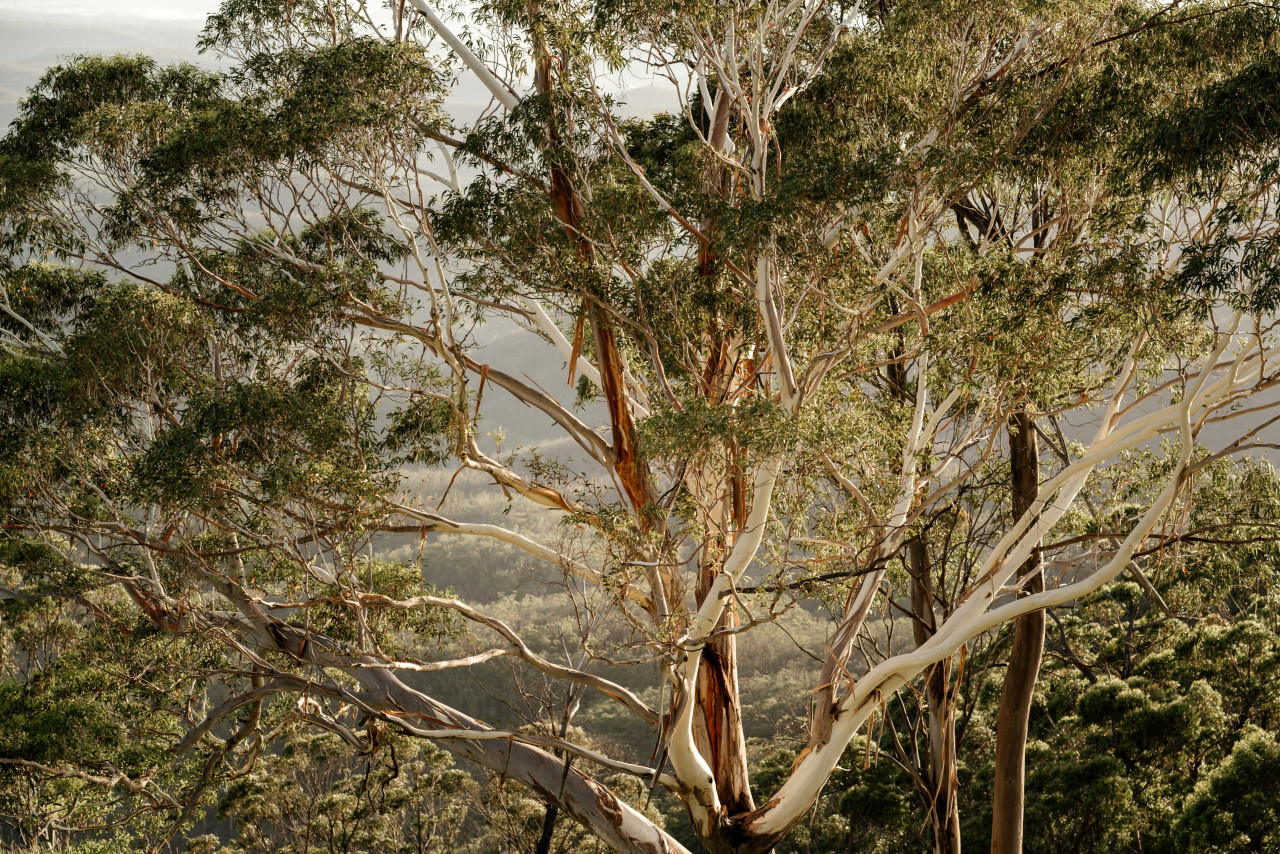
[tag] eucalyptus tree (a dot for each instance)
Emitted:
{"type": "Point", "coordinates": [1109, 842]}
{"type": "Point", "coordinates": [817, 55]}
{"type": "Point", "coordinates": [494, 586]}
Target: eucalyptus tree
{"type": "Point", "coordinates": [807, 302]}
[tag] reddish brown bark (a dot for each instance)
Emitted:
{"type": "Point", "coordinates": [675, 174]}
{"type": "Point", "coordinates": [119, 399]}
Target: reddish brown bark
{"type": "Point", "coordinates": [631, 469]}
{"type": "Point", "coordinates": [1024, 660]}
{"type": "Point", "coordinates": [718, 725]}
{"type": "Point", "coordinates": [630, 466]}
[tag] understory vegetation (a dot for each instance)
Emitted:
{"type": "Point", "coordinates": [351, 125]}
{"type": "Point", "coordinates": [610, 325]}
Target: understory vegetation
{"type": "Point", "coordinates": [1155, 727]}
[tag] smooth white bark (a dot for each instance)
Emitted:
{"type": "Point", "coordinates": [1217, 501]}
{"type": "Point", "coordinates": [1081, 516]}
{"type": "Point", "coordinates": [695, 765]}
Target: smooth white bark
{"type": "Point", "coordinates": [690, 766]}
{"type": "Point", "coordinates": [499, 89]}
{"type": "Point", "coordinates": [975, 614]}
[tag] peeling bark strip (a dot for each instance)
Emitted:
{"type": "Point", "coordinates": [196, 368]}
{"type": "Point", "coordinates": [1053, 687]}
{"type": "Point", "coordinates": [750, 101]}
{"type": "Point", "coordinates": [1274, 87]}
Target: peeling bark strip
{"type": "Point", "coordinates": [631, 468]}
{"type": "Point", "coordinates": [718, 727]}
{"type": "Point", "coordinates": [1024, 659]}
{"type": "Point", "coordinates": [632, 471]}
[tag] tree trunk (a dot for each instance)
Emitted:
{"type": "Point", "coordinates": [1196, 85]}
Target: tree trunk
{"type": "Point", "coordinates": [718, 725]}
{"type": "Point", "coordinates": [943, 784]}
{"type": "Point", "coordinates": [549, 819]}
{"type": "Point", "coordinates": [1024, 660]}
{"type": "Point", "coordinates": [944, 812]}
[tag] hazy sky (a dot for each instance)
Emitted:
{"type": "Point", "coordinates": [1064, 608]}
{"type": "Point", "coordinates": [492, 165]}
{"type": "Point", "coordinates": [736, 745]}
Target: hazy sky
{"type": "Point", "coordinates": [36, 34]}
{"type": "Point", "coordinates": [168, 10]}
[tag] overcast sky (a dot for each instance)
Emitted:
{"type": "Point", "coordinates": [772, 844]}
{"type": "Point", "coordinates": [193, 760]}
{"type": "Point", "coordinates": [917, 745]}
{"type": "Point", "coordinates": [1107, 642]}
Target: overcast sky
{"type": "Point", "coordinates": [35, 34]}
{"type": "Point", "coordinates": [168, 10]}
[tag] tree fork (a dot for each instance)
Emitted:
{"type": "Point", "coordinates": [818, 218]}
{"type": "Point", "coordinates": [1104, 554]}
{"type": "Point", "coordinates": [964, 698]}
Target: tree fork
{"type": "Point", "coordinates": [1024, 658]}
{"type": "Point", "coordinates": [718, 731]}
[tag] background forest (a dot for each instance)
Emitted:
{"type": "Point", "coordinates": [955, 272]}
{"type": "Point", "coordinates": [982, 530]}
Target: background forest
{"type": "Point", "coordinates": [414, 439]}
{"type": "Point", "coordinates": [1151, 729]}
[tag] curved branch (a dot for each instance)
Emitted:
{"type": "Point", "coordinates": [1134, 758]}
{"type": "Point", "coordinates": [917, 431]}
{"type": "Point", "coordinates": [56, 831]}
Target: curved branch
{"type": "Point", "coordinates": [439, 524]}
{"type": "Point", "coordinates": [604, 686]}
